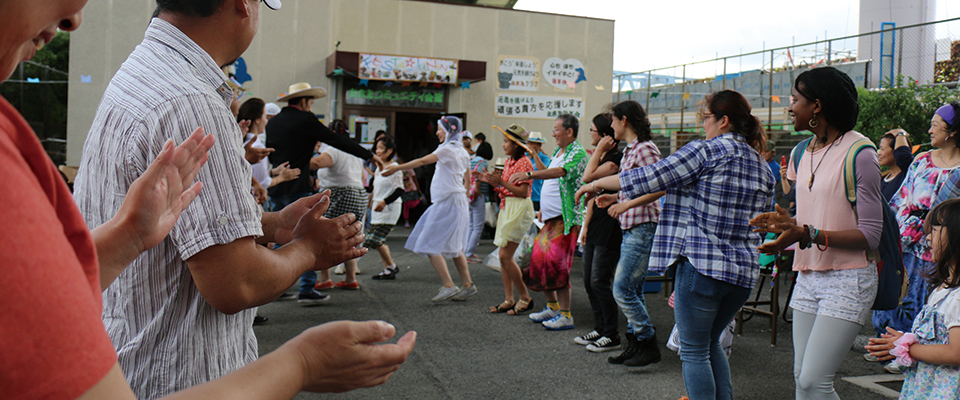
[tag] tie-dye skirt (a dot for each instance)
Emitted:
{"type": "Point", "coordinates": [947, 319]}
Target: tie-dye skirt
{"type": "Point", "coordinates": [552, 258]}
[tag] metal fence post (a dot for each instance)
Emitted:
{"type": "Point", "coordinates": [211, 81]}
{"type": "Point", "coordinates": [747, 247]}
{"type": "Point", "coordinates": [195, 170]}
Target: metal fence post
{"type": "Point", "coordinates": [683, 103]}
{"type": "Point", "coordinates": [724, 73]}
{"type": "Point", "coordinates": [770, 100]}
{"type": "Point", "coordinates": [649, 84]}
{"type": "Point", "coordinates": [899, 56]}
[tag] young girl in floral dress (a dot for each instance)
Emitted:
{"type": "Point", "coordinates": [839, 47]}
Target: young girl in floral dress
{"type": "Point", "coordinates": [930, 354]}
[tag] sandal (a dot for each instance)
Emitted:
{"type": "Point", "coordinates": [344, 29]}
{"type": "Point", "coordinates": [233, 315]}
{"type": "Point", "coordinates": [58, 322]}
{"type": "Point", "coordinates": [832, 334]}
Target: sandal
{"type": "Point", "coordinates": [502, 307]}
{"type": "Point", "coordinates": [521, 307]}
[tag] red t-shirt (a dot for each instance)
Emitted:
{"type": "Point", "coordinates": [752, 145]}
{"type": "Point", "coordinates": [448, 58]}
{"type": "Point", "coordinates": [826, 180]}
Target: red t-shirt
{"type": "Point", "coordinates": [52, 341]}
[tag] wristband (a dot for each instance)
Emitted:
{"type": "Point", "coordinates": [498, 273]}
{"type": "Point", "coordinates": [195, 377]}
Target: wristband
{"type": "Point", "coordinates": [804, 241]}
{"type": "Point", "coordinates": [594, 185]}
{"type": "Point", "coordinates": [826, 241]}
{"type": "Point", "coordinates": [901, 349]}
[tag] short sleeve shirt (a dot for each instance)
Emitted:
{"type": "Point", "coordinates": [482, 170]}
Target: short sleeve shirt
{"type": "Point", "coordinates": [53, 343]}
{"type": "Point", "coordinates": [573, 160]}
{"type": "Point", "coordinates": [511, 167]}
{"type": "Point", "coordinates": [452, 163]}
{"type": "Point", "coordinates": [168, 337]}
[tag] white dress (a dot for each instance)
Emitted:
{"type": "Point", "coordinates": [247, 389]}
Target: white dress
{"type": "Point", "coordinates": [443, 228]}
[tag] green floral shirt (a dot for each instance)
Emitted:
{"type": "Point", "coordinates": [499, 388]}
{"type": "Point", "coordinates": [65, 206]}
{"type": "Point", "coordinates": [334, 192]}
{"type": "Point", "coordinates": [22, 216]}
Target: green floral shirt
{"type": "Point", "coordinates": [574, 160]}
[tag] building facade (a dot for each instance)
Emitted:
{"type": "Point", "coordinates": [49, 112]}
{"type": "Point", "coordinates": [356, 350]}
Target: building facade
{"type": "Point", "coordinates": [491, 66]}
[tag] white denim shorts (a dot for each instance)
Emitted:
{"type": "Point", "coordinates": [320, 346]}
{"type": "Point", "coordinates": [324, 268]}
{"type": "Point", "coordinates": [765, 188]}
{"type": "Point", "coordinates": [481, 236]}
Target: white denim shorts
{"type": "Point", "coordinates": [846, 294]}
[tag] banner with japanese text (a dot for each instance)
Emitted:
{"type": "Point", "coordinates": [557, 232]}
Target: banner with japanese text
{"type": "Point", "coordinates": [545, 107]}
{"type": "Point", "coordinates": [395, 96]}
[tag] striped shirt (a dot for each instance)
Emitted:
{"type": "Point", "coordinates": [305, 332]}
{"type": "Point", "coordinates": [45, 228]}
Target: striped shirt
{"type": "Point", "coordinates": [714, 187]}
{"type": "Point", "coordinates": [167, 337]}
{"type": "Point", "coordinates": [638, 154]}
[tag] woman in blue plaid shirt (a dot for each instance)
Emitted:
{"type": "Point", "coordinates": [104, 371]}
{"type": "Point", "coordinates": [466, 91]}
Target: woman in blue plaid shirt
{"type": "Point", "coordinates": [714, 187]}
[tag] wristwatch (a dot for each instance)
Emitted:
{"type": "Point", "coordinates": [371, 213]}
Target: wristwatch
{"type": "Point", "coordinates": [529, 174]}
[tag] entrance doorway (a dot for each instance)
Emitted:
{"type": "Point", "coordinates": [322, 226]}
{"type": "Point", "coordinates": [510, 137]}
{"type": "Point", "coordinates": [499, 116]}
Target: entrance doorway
{"type": "Point", "coordinates": [416, 136]}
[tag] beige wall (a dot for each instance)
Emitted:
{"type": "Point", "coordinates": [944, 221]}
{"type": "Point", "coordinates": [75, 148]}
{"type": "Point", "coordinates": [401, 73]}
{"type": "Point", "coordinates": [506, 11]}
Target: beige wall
{"type": "Point", "coordinates": [293, 44]}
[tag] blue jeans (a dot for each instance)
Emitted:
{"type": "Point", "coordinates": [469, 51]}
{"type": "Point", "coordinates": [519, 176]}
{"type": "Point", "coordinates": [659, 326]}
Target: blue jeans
{"type": "Point", "coordinates": [478, 213]}
{"type": "Point", "coordinates": [703, 308]}
{"type": "Point", "coordinates": [309, 278]}
{"type": "Point", "coordinates": [630, 277]}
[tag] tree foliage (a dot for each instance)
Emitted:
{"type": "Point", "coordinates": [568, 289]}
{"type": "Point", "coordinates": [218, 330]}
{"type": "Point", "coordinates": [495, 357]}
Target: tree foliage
{"type": "Point", "coordinates": [905, 105]}
{"type": "Point", "coordinates": [44, 105]}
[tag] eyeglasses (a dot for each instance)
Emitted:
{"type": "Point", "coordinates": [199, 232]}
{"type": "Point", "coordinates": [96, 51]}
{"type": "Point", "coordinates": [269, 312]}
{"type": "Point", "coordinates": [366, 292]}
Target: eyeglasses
{"type": "Point", "coordinates": [594, 130]}
{"type": "Point", "coordinates": [272, 4]}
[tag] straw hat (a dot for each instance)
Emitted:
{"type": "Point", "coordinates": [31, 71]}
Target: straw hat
{"type": "Point", "coordinates": [515, 133]}
{"type": "Point", "coordinates": [303, 89]}
{"type": "Point", "coordinates": [501, 161]}
{"type": "Point", "coordinates": [535, 137]}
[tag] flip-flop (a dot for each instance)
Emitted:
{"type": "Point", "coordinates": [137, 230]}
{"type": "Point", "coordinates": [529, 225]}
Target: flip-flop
{"type": "Point", "coordinates": [499, 308]}
{"type": "Point", "coordinates": [518, 310]}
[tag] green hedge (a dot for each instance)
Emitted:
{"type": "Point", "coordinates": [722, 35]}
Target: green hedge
{"type": "Point", "coordinates": [904, 105]}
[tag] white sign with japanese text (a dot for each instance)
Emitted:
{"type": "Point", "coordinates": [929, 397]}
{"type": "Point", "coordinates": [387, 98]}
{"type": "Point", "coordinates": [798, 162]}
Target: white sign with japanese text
{"type": "Point", "coordinates": [544, 107]}
{"type": "Point", "coordinates": [518, 73]}
{"type": "Point", "coordinates": [563, 74]}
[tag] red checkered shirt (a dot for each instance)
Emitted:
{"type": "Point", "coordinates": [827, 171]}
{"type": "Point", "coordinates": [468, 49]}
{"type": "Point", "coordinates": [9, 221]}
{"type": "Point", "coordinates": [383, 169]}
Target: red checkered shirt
{"type": "Point", "coordinates": [638, 154]}
{"type": "Point", "coordinates": [511, 167]}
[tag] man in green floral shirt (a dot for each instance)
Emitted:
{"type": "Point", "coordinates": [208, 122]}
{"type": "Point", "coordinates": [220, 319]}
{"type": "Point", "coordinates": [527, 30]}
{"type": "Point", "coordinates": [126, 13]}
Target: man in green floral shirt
{"type": "Point", "coordinates": [553, 249]}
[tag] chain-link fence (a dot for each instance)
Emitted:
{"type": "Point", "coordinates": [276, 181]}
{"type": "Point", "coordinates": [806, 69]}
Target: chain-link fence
{"type": "Point", "coordinates": [928, 54]}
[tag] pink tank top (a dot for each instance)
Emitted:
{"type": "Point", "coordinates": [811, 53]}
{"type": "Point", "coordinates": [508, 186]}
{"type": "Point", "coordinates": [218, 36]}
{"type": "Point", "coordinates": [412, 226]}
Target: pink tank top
{"type": "Point", "coordinates": [825, 206]}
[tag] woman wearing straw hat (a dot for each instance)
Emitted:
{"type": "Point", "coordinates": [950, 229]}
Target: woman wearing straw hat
{"type": "Point", "coordinates": [516, 217]}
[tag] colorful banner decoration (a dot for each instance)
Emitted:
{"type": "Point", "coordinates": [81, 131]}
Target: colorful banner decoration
{"type": "Point", "coordinates": [561, 73]}
{"type": "Point", "coordinates": [465, 85]}
{"type": "Point", "coordinates": [776, 99]}
{"type": "Point", "coordinates": [544, 107]}
{"type": "Point", "coordinates": [686, 96]}
{"type": "Point", "coordinates": [404, 68]}
{"type": "Point", "coordinates": [396, 96]}
{"type": "Point", "coordinates": [518, 73]}
{"type": "Point", "coordinates": [654, 94]}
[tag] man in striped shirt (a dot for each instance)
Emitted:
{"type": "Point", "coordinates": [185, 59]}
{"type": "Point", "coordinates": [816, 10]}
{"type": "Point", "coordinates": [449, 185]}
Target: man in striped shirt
{"type": "Point", "coordinates": [181, 314]}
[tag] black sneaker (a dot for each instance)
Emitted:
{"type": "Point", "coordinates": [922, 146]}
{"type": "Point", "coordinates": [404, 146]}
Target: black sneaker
{"type": "Point", "coordinates": [258, 320]}
{"type": "Point", "coordinates": [311, 299]}
{"type": "Point", "coordinates": [604, 344]}
{"type": "Point", "coordinates": [587, 339]}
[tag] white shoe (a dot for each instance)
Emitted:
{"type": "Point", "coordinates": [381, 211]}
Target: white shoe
{"type": "Point", "coordinates": [339, 270]}
{"type": "Point", "coordinates": [464, 293]}
{"type": "Point", "coordinates": [893, 368]}
{"type": "Point", "coordinates": [558, 323]}
{"type": "Point", "coordinates": [545, 315]}
{"type": "Point", "coordinates": [446, 293]}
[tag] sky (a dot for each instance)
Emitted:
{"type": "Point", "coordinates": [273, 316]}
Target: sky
{"type": "Point", "coordinates": [655, 34]}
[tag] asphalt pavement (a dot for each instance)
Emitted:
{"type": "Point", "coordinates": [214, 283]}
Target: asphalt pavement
{"type": "Point", "coordinates": [464, 352]}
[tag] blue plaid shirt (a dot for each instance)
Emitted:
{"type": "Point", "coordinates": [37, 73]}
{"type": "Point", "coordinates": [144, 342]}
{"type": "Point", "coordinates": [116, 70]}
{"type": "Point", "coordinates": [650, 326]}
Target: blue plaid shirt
{"type": "Point", "coordinates": [714, 187]}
